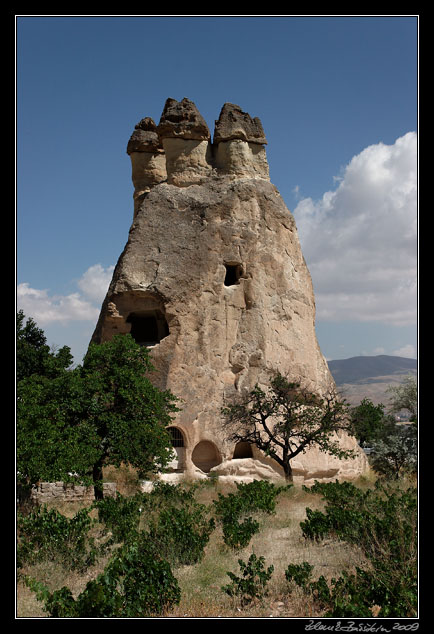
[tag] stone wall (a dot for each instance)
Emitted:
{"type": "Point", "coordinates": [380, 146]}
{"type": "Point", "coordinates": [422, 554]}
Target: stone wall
{"type": "Point", "coordinates": [68, 492]}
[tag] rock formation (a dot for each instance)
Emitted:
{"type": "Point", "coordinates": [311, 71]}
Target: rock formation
{"type": "Point", "coordinates": [213, 281]}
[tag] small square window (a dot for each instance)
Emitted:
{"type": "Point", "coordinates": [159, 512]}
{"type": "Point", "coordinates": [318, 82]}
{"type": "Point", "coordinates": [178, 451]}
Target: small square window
{"type": "Point", "coordinates": [233, 274]}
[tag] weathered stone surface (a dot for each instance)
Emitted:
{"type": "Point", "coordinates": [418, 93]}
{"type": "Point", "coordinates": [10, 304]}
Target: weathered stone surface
{"type": "Point", "coordinates": [69, 492]}
{"type": "Point", "coordinates": [233, 123]}
{"type": "Point", "coordinates": [246, 470]}
{"type": "Point", "coordinates": [148, 163]}
{"type": "Point", "coordinates": [240, 159]}
{"type": "Point", "coordinates": [182, 119]}
{"type": "Point", "coordinates": [144, 137]}
{"type": "Point", "coordinates": [188, 161]}
{"type": "Point", "coordinates": [213, 267]}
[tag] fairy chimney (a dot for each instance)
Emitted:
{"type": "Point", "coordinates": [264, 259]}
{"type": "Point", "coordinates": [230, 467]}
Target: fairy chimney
{"type": "Point", "coordinates": [213, 281]}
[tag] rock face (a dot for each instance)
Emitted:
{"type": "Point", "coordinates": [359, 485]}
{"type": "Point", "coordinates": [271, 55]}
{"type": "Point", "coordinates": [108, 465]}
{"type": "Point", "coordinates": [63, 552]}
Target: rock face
{"type": "Point", "coordinates": [213, 281]}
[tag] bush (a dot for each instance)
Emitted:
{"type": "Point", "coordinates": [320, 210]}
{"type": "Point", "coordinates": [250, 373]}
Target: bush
{"type": "Point", "coordinates": [258, 495]}
{"type": "Point", "coordinates": [121, 515]}
{"type": "Point", "coordinates": [137, 582]}
{"type": "Point", "coordinates": [181, 534]}
{"type": "Point", "coordinates": [237, 535]}
{"type": "Point", "coordinates": [169, 514]}
{"type": "Point", "coordinates": [252, 584]}
{"type": "Point", "coordinates": [47, 534]}
{"type": "Point", "coordinates": [383, 523]}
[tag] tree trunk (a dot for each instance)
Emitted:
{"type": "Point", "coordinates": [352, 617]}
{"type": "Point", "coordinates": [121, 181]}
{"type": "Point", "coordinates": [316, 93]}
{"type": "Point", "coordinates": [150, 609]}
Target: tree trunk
{"type": "Point", "coordinates": [287, 469]}
{"type": "Point", "coordinates": [97, 480]}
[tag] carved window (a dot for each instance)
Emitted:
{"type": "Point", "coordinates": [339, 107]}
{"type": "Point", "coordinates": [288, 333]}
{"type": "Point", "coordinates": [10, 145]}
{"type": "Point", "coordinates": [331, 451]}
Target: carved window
{"type": "Point", "coordinates": [176, 436]}
{"type": "Point", "coordinates": [148, 328]}
{"type": "Point", "coordinates": [233, 274]}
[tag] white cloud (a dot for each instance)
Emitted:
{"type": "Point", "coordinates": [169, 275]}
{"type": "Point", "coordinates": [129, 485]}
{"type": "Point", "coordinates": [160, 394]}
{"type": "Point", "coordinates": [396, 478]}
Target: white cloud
{"type": "Point", "coordinates": [95, 281]}
{"type": "Point", "coordinates": [408, 351]}
{"type": "Point", "coordinates": [360, 242]}
{"type": "Point", "coordinates": [48, 309]}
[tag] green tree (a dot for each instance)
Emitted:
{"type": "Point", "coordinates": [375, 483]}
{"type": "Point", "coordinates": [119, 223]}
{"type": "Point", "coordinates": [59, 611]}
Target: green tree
{"type": "Point", "coordinates": [396, 454]}
{"type": "Point", "coordinates": [33, 355]}
{"type": "Point", "coordinates": [404, 397]}
{"type": "Point", "coordinates": [105, 412]}
{"type": "Point", "coordinates": [129, 414]}
{"type": "Point", "coordinates": [285, 420]}
{"type": "Point", "coordinates": [370, 422]}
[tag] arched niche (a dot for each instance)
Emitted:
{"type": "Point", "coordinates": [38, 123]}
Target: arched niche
{"type": "Point", "coordinates": [178, 445]}
{"type": "Point", "coordinates": [243, 450]}
{"type": "Point", "coordinates": [205, 456]}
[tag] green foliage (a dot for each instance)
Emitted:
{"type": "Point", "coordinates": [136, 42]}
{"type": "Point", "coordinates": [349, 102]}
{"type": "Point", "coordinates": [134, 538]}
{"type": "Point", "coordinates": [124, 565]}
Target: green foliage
{"type": "Point", "coordinates": [383, 523]}
{"type": "Point", "coordinates": [54, 436]}
{"type": "Point", "coordinates": [258, 495]}
{"type": "Point", "coordinates": [47, 534]}
{"type": "Point", "coordinates": [181, 534]}
{"type": "Point", "coordinates": [237, 534]}
{"type": "Point", "coordinates": [285, 420]}
{"type": "Point", "coordinates": [176, 524]}
{"type": "Point", "coordinates": [299, 573]}
{"type": "Point", "coordinates": [33, 356]}
{"type": "Point", "coordinates": [137, 582]}
{"type": "Point", "coordinates": [120, 515]}
{"type": "Point", "coordinates": [396, 454]}
{"type": "Point", "coordinates": [252, 584]}
{"type": "Point", "coordinates": [370, 422]}
{"type": "Point", "coordinates": [76, 421]}
{"type": "Point", "coordinates": [404, 397]}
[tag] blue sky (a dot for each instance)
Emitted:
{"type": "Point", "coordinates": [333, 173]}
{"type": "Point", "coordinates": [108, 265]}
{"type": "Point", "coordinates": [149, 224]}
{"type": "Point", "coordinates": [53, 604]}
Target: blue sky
{"type": "Point", "coordinates": [338, 100]}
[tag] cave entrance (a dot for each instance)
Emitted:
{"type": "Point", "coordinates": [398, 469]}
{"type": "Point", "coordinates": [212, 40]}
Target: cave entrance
{"type": "Point", "coordinates": [205, 456]}
{"type": "Point", "coordinates": [243, 450]}
{"type": "Point", "coordinates": [148, 327]}
{"type": "Point", "coordinates": [233, 274]}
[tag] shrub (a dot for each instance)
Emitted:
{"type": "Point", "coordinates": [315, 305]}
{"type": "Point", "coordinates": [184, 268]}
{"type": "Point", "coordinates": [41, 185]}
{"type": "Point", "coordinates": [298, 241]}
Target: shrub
{"type": "Point", "coordinates": [237, 535]}
{"type": "Point", "coordinates": [258, 495]}
{"type": "Point", "coordinates": [181, 534]}
{"type": "Point", "coordinates": [383, 523]}
{"type": "Point", "coordinates": [252, 584]}
{"type": "Point", "coordinates": [121, 515]}
{"type": "Point", "coordinates": [47, 534]}
{"type": "Point", "coordinates": [137, 582]}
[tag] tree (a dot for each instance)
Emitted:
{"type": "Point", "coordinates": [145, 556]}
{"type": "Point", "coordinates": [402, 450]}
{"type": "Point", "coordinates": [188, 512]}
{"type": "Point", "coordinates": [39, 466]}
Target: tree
{"type": "Point", "coordinates": [105, 412]}
{"type": "Point", "coordinates": [285, 420]}
{"type": "Point", "coordinates": [396, 454]}
{"type": "Point", "coordinates": [370, 422]}
{"type": "Point", "coordinates": [33, 355]}
{"type": "Point", "coordinates": [128, 413]}
{"type": "Point", "coordinates": [404, 397]}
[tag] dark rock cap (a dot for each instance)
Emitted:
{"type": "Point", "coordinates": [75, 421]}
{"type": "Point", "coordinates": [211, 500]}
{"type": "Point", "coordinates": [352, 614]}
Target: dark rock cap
{"type": "Point", "coordinates": [182, 119]}
{"type": "Point", "coordinates": [233, 123]}
{"type": "Point", "coordinates": [145, 137]}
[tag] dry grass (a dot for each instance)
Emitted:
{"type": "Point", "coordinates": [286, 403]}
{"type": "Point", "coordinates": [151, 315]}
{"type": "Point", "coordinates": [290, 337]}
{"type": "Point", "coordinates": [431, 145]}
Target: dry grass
{"type": "Point", "coordinates": [279, 541]}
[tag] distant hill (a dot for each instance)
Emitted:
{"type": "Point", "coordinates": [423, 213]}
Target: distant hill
{"type": "Point", "coordinates": [369, 377]}
{"type": "Point", "coordinates": [361, 369]}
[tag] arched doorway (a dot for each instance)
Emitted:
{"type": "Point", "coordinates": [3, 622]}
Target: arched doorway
{"type": "Point", "coordinates": [178, 444]}
{"type": "Point", "coordinates": [243, 450]}
{"type": "Point", "coordinates": [205, 456]}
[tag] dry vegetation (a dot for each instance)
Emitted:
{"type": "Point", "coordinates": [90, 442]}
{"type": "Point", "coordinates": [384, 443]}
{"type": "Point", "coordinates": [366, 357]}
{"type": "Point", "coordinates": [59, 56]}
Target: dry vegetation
{"type": "Point", "coordinates": [280, 542]}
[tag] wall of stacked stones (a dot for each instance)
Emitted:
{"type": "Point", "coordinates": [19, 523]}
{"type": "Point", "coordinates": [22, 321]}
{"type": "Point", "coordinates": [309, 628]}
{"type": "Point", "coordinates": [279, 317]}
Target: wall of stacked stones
{"type": "Point", "coordinates": [68, 492]}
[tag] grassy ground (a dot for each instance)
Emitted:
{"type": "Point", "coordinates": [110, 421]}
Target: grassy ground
{"type": "Point", "coordinates": [279, 541]}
